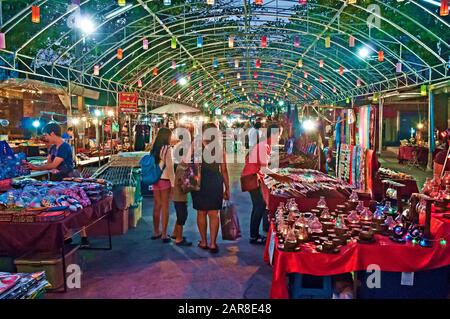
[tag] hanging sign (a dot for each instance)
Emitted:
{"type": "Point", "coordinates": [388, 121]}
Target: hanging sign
{"type": "Point", "coordinates": [128, 102]}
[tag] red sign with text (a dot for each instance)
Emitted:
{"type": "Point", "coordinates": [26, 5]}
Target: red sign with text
{"type": "Point", "coordinates": [128, 102]}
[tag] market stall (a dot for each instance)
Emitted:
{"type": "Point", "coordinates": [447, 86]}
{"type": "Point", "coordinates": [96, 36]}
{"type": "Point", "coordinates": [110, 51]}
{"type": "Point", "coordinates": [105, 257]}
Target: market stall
{"type": "Point", "coordinates": [418, 154]}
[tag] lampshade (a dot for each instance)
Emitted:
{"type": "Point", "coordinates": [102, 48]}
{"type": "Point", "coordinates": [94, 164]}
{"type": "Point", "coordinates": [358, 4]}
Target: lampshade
{"type": "Point", "coordinates": [35, 14]}
{"type": "Point", "coordinates": [173, 43]}
{"type": "Point", "coordinates": [2, 41]}
{"type": "Point", "coordinates": [119, 53]}
{"type": "Point", "coordinates": [264, 41]}
{"type": "Point", "coordinates": [199, 42]}
{"type": "Point", "coordinates": [296, 41]}
{"type": "Point", "coordinates": [327, 41]}
{"type": "Point", "coordinates": [96, 69]}
{"type": "Point", "coordinates": [351, 41]}
{"type": "Point", "coordinates": [155, 71]}
{"type": "Point", "coordinates": [444, 8]}
{"type": "Point", "coordinates": [380, 56]}
{"type": "Point", "coordinates": [145, 44]}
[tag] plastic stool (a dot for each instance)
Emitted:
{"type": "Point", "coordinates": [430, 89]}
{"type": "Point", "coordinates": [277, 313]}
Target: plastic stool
{"type": "Point", "coordinates": [309, 287]}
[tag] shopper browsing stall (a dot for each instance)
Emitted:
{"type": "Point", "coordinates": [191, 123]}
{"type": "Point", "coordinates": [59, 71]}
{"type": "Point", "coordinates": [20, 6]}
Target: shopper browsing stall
{"type": "Point", "coordinates": [256, 166]}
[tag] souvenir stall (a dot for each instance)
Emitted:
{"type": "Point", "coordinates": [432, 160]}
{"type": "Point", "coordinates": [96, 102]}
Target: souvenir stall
{"type": "Point", "coordinates": [23, 285]}
{"type": "Point", "coordinates": [37, 216]}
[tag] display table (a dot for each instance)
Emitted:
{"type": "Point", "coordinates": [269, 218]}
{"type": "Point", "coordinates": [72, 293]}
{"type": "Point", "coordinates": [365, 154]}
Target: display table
{"type": "Point", "coordinates": [19, 238]}
{"type": "Point", "coordinates": [388, 255]}
{"type": "Point", "coordinates": [93, 160]}
{"type": "Point", "coordinates": [405, 153]}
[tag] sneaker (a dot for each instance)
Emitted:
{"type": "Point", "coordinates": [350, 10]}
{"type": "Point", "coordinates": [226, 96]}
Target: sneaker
{"type": "Point", "coordinates": [85, 243]}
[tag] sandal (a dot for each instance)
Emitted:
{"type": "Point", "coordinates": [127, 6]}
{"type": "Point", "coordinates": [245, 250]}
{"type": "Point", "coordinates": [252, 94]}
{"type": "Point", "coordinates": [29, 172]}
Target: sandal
{"type": "Point", "coordinates": [156, 237]}
{"type": "Point", "coordinates": [260, 240]}
{"type": "Point", "coordinates": [214, 250]}
{"type": "Point", "coordinates": [184, 243]}
{"type": "Point", "coordinates": [203, 247]}
{"type": "Point", "coordinates": [166, 240]}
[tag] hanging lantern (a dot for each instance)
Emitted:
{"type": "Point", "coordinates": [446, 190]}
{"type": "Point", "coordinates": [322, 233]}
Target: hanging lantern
{"type": "Point", "coordinates": [444, 8]}
{"type": "Point", "coordinates": [352, 1]}
{"type": "Point", "coordinates": [96, 69]}
{"type": "Point", "coordinates": [189, 76]}
{"type": "Point", "coordinates": [347, 100]}
{"type": "Point", "coordinates": [305, 74]}
{"type": "Point", "coordinates": [260, 86]}
{"type": "Point", "coordinates": [160, 92]}
{"type": "Point", "coordinates": [145, 44]}
{"type": "Point", "coordinates": [341, 70]}
{"type": "Point", "coordinates": [300, 63]}
{"type": "Point", "coordinates": [2, 41]}
{"type": "Point", "coordinates": [255, 75]}
{"type": "Point", "coordinates": [215, 63]}
{"type": "Point", "coordinates": [304, 2]}
{"type": "Point", "coordinates": [35, 14]}
{"type": "Point", "coordinates": [179, 96]}
{"type": "Point", "coordinates": [423, 90]}
{"type": "Point", "coordinates": [231, 41]}
{"type": "Point", "coordinates": [210, 2]}
{"type": "Point", "coordinates": [351, 41]}
{"type": "Point", "coordinates": [155, 71]}
{"type": "Point", "coordinates": [296, 41]}
{"type": "Point", "coordinates": [321, 79]}
{"type": "Point", "coordinates": [259, 2]}
{"type": "Point", "coordinates": [199, 42]}
{"type": "Point", "coordinates": [358, 82]}
{"type": "Point", "coordinates": [119, 53]}
{"type": "Point", "coordinates": [321, 63]}
{"type": "Point", "coordinates": [321, 96]}
{"type": "Point", "coordinates": [167, 2]}
{"type": "Point", "coordinates": [334, 89]}
{"type": "Point", "coordinates": [240, 83]}
{"type": "Point", "coordinates": [258, 63]}
{"type": "Point", "coordinates": [301, 84]}
{"type": "Point", "coordinates": [194, 64]}
{"type": "Point", "coordinates": [272, 77]}
{"type": "Point", "coordinates": [200, 84]}
{"type": "Point", "coordinates": [288, 84]}
{"type": "Point", "coordinates": [122, 3]}
{"type": "Point", "coordinates": [173, 43]}
{"type": "Point", "coordinates": [264, 41]}
{"type": "Point", "coordinates": [304, 95]}
{"type": "Point", "coordinates": [398, 67]}
{"type": "Point", "coordinates": [201, 92]}
{"type": "Point", "coordinates": [174, 64]}
{"type": "Point", "coordinates": [139, 83]}
{"type": "Point", "coordinates": [238, 75]}
{"type": "Point", "coordinates": [380, 56]}
{"type": "Point", "coordinates": [289, 75]}
{"type": "Point", "coordinates": [174, 81]}
{"type": "Point", "coordinates": [327, 41]}
{"type": "Point", "coordinates": [309, 88]}
{"type": "Point", "coordinates": [236, 63]}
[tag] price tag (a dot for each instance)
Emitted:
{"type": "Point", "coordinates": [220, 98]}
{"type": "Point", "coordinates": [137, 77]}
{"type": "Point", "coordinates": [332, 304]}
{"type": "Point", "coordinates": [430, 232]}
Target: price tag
{"type": "Point", "coordinates": [407, 279]}
{"type": "Point", "coordinates": [271, 246]}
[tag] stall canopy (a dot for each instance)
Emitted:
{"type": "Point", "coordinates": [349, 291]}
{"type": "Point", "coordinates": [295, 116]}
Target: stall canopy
{"type": "Point", "coordinates": [174, 108]}
{"type": "Point", "coordinates": [229, 51]}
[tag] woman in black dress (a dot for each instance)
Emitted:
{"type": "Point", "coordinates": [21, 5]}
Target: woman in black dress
{"type": "Point", "coordinates": [214, 175]}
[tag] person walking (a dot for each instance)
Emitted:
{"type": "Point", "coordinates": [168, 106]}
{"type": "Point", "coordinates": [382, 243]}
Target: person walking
{"type": "Point", "coordinates": [214, 177]}
{"type": "Point", "coordinates": [162, 152]}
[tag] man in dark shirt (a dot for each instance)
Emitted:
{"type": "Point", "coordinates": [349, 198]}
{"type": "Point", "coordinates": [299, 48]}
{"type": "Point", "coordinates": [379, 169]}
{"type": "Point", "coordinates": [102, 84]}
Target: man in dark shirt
{"type": "Point", "coordinates": [61, 164]}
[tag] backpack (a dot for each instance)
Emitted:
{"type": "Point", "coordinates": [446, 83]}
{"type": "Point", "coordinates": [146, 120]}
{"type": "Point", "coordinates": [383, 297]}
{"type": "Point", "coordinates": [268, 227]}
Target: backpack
{"type": "Point", "coordinates": [150, 170]}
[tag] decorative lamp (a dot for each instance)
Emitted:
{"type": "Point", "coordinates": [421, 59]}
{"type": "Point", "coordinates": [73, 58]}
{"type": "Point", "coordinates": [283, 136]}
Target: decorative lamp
{"type": "Point", "coordinates": [296, 41]}
{"type": "Point", "coordinates": [351, 41]}
{"type": "Point", "coordinates": [122, 3]}
{"type": "Point", "coordinates": [145, 44]}
{"type": "Point", "coordinates": [327, 41]}
{"type": "Point", "coordinates": [199, 42]}
{"type": "Point", "coordinates": [173, 43]}
{"type": "Point", "coordinates": [96, 69]}
{"type": "Point", "coordinates": [444, 8]}
{"type": "Point", "coordinates": [264, 41]}
{"type": "Point", "coordinates": [2, 41]}
{"type": "Point", "coordinates": [231, 41]}
{"type": "Point", "coordinates": [321, 63]}
{"type": "Point", "coordinates": [380, 56]}
{"type": "Point", "coordinates": [119, 53]}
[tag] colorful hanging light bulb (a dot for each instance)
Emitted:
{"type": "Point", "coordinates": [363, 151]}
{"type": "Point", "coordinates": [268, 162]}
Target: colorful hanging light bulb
{"type": "Point", "coordinates": [145, 44]}
{"type": "Point", "coordinates": [398, 67]}
{"type": "Point", "coordinates": [167, 2]}
{"type": "Point", "coordinates": [139, 83]}
{"type": "Point", "coordinates": [320, 79]}
{"type": "Point", "coordinates": [334, 89]}
{"type": "Point", "coordinates": [443, 11]}
{"type": "Point", "coordinates": [289, 75]}
{"type": "Point", "coordinates": [296, 41]}
{"type": "Point", "coordinates": [255, 75]}
{"type": "Point", "coordinates": [258, 63]}
{"type": "Point", "coordinates": [259, 2]}
{"type": "Point", "coordinates": [199, 41]}
{"type": "Point", "coordinates": [210, 2]}
{"type": "Point", "coordinates": [321, 63]}
{"type": "Point", "coordinates": [327, 41]}
{"type": "Point", "coordinates": [161, 93]}
{"type": "Point", "coordinates": [155, 71]}
{"type": "Point", "coordinates": [231, 41]}
{"type": "Point", "coordinates": [236, 63]}
{"type": "Point", "coordinates": [358, 82]}
{"type": "Point", "coordinates": [351, 41]}
{"type": "Point", "coordinates": [352, 1]}
{"type": "Point", "coordinates": [305, 75]}
{"type": "Point", "coordinates": [174, 81]}
{"type": "Point", "coordinates": [304, 2]}
{"type": "Point", "coordinates": [215, 62]}
{"type": "Point", "coordinates": [238, 75]}
{"type": "Point", "coordinates": [119, 53]}
{"type": "Point", "coordinates": [309, 88]}
{"type": "Point", "coordinates": [173, 43]}
{"type": "Point", "coordinates": [122, 3]}
{"type": "Point", "coordinates": [423, 90]}
{"type": "Point", "coordinates": [35, 14]}
{"type": "Point", "coordinates": [2, 41]}
{"type": "Point", "coordinates": [380, 56]}
{"type": "Point", "coordinates": [341, 70]}
{"type": "Point", "coordinates": [264, 41]}
{"type": "Point", "coordinates": [96, 69]}
{"type": "Point", "coordinates": [301, 84]}
{"type": "Point", "coordinates": [174, 64]}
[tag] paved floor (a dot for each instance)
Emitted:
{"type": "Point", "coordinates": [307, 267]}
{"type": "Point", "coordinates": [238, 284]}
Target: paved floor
{"type": "Point", "coordinates": [139, 267]}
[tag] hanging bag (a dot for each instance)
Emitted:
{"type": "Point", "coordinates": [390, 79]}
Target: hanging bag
{"type": "Point", "coordinates": [229, 221]}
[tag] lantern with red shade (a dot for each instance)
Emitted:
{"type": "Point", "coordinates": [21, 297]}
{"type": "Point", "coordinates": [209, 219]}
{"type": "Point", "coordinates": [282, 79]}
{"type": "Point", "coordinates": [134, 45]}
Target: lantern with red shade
{"type": "Point", "coordinates": [264, 41]}
{"type": "Point", "coordinates": [341, 70]}
{"type": "Point", "coordinates": [381, 56]}
{"type": "Point", "coordinates": [119, 53]}
{"type": "Point", "coordinates": [35, 14]}
{"type": "Point", "coordinates": [255, 75]}
{"type": "Point", "coordinates": [259, 2]}
{"type": "Point", "coordinates": [296, 41]}
{"type": "Point", "coordinates": [155, 71]}
{"type": "Point", "coordinates": [258, 63]}
{"type": "Point", "coordinates": [303, 2]}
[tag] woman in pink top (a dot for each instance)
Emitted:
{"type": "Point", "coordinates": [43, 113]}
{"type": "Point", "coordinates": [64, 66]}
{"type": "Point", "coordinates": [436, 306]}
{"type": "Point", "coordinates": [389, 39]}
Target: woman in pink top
{"type": "Point", "coordinates": [257, 162]}
{"type": "Point", "coordinates": [161, 190]}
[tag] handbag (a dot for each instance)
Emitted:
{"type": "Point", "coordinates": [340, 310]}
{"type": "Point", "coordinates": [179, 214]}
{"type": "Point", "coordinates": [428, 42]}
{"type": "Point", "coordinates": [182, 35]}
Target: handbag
{"type": "Point", "coordinates": [249, 182]}
{"type": "Point", "coordinates": [229, 222]}
{"type": "Point", "coordinates": [191, 179]}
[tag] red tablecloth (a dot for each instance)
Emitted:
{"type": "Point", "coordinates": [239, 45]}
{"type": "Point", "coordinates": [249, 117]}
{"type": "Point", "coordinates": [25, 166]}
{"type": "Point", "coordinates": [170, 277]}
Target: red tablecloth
{"type": "Point", "coordinates": [17, 239]}
{"type": "Point", "coordinates": [388, 255]}
{"type": "Point", "coordinates": [410, 187]}
{"type": "Point", "coordinates": [405, 153]}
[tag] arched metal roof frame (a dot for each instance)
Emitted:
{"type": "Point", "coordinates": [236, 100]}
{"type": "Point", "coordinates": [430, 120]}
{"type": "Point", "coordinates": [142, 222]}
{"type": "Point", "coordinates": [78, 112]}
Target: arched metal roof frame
{"type": "Point", "coordinates": [359, 7]}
